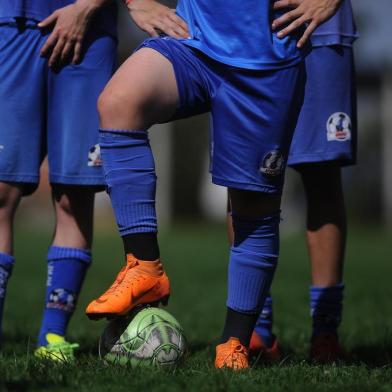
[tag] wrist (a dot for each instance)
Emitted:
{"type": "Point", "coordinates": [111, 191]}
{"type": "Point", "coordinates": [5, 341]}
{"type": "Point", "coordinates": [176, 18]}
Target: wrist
{"type": "Point", "coordinates": [91, 6]}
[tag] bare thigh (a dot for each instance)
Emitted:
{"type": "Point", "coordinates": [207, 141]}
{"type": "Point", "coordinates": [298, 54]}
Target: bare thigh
{"type": "Point", "coordinates": [141, 93]}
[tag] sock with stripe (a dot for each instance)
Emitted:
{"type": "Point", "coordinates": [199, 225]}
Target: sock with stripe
{"type": "Point", "coordinates": [67, 268]}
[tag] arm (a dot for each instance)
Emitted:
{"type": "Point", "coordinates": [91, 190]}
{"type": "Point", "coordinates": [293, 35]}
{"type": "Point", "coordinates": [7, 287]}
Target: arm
{"type": "Point", "coordinates": [152, 17]}
{"type": "Point", "coordinates": [69, 25]}
{"type": "Point", "coordinates": [310, 12]}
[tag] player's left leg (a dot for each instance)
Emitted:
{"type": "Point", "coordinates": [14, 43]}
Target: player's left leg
{"type": "Point", "coordinates": [249, 152]}
{"type": "Point", "coordinates": [263, 342]}
{"type": "Point", "coordinates": [68, 260]}
{"type": "Point", "coordinates": [326, 239]}
{"type": "Point", "coordinates": [75, 173]}
{"type": "Point", "coordinates": [324, 141]}
{"type": "Point", "coordinates": [253, 260]}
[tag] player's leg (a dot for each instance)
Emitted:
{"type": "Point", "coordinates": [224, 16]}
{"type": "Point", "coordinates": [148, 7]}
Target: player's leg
{"type": "Point", "coordinates": [324, 141]}
{"type": "Point", "coordinates": [262, 341]}
{"type": "Point", "coordinates": [10, 195]}
{"type": "Point", "coordinates": [68, 260]}
{"type": "Point", "coordinates": [144, 91]}
{"type": "Point", "coordinates": [21, 127]}
{"type": "Point", "coordinates": [326, 239]}
{"type": "Point", "coordinates": [250, 160]}
{"type": "Point", "coordinates": [253, 259]}
{"type": "Point", "coordinates": [75, 174]}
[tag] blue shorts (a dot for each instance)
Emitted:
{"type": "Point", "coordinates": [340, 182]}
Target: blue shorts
{"type": "Point", "coordinates": [327, 126]}
{"type": "Point", "coordinates": [253, 114]}
{"type": "Point", "coordinates": [47, 113]}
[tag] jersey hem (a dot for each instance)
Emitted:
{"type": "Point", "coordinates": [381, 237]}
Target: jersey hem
{"type": "Point", "coordinates": [243, 65]}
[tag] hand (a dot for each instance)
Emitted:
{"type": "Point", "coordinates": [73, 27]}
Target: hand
{"type": "Point", "coordinates": [312, 12]}
{"type": "Point", "coordinates": [153, 17]}
{"type": "Point", "coordinates": [69, 26]}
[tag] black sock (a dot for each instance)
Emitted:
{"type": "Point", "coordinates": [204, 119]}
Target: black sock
{"type": "Point", "coordinates": [144, 246]}
{"type": "Point", "coordinates": [239, 325]}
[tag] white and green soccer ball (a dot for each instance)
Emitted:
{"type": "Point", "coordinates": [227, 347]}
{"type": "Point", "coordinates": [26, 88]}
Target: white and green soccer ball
{"type": "Point", "coordinates": [151, 337]}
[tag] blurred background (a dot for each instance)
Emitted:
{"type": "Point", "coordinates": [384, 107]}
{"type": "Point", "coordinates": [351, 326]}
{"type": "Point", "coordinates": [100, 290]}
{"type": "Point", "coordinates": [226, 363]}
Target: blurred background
{"type": "Point", "coordinates": [184, 188]}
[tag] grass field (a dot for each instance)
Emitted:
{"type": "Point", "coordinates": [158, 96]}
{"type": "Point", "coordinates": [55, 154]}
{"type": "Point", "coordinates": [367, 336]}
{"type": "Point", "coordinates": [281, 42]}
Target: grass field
{"type": "Point", "coordinates": [196, 260]}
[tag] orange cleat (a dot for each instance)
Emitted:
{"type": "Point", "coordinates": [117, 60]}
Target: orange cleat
{"type": "Point", "coordinates": [259, 349]}
{"type": "Point", "coordinates": [139, 282]}
{"type": "Point", "coordinates": [325, 348]}
{"type": "Point", "coordinates": [232, 355]}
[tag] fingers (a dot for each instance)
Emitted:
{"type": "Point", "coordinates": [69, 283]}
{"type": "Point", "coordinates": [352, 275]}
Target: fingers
{"type": "Point", "coordinates": [48, 21]}
{"type": "Point", "coordinates": [66, 52]}
{"type": "Point", "coordinates": [306, 35]}
{"type": "Point", "coordinates": [286, 18]}
{"type": "Point", "coordinates": [149, 29]}
{"type": "Point", "coordinates": [56, 52]}
{"type": "Point", "coordinates": [292, 27]}
{"type": "Point", "coordinates": [284, 4]}
{"type": "Point", "coordinates": [169, 27]}
{"type": "Point", "coordinates": [77, 53]}
{"type": "Point", "coordinates": [49, 44]}
{"type": "Point", "coordinates": [181, 24]}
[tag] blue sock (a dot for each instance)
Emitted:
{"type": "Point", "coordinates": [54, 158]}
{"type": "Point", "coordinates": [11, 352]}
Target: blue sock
{"type": "Point", "coordinates": [326, 304]}
{"type": "Point", "coordinates": [66, 271]}
{"type": "Point", "coordinates": [129, 171]}
{"type": "Point", "coordinates": [264, 323]}
{"type": "Point", "coordinates": [6, 265]}
{"type": "Point", "coordinates": [253, 260]}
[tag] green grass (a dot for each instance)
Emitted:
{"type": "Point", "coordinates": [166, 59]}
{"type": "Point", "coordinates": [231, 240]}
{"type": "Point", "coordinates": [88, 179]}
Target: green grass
{"type": "Point", "coordinates": [196, 257]}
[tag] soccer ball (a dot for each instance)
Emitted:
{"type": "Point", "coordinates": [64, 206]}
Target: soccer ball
{"type": "Point", "coordinates": [151, 337]}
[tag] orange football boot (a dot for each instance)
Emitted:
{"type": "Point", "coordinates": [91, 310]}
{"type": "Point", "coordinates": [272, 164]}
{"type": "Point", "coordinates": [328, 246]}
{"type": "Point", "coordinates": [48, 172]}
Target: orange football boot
{"type": "Point", "coordinates": [139, 282]}
{"type": "Point", "coordinates": [325, 348]}
{"type": "Point", "coordinates": [258, 348]}
{"type": "Point", "coordinates": [232, 355]}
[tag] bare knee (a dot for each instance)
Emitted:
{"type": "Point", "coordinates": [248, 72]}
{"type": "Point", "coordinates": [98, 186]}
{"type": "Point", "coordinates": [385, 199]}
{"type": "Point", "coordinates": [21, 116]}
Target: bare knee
{"type": "Point", "coordinates": [250, 204]}
{"type": "Point", "coordinates": [74, 207]}
{"type": "Point", "coordinates": [321, 180]}
{"type": "Point", "coordinates": [73, 200]}
{"type": "Point", "coordinates": [10, 195]}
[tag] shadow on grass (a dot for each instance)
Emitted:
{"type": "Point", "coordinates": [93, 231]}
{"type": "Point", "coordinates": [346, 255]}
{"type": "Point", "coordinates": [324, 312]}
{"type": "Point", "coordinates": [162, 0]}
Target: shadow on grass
{"type": "Point", "coordinates": [371, 355]}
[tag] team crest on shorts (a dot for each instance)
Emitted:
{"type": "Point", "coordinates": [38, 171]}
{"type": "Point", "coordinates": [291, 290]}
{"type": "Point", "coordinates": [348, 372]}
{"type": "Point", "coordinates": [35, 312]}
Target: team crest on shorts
{"type": "Point", "coordinates": [94, 156]}
{"type": "Point", "coordinates": [339, 127]}
{"type": "Point", "coordinates": [273, 163]}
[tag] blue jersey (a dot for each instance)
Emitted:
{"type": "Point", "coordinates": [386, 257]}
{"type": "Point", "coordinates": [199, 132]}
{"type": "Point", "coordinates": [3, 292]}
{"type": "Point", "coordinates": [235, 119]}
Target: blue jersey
{"type": "Point", "coordinates": [238, 33]}
{"type": "Point", "coordinates": [40, 9]}
{"type": "Point", "coordinates": [339, 30]}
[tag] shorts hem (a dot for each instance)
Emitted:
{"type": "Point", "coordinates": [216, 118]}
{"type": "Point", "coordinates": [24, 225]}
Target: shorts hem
{"type": "Point", "coordinates": [77, 180]}
{"type": "Point", "coordinates": [246, 186]}
{"type": "Point", "coordinates": [342, 159]}
{"type": "Point", "coordinates": [23, 179]}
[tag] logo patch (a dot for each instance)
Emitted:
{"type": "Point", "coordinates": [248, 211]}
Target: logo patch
{"type": "Point", "coordinates": [62, 299]}
{"type": "Point", "coordinates": [94, 156]}
{"type": "Point", "coordinates": [273, 163]}
{"type": "Point", "coordinates": [339, 127]}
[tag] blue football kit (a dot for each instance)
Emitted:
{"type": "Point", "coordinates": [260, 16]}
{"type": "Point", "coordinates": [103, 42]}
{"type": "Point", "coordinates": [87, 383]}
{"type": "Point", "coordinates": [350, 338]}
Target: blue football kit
{"type": "Point", "coordinates": [327, 125]}
{"type": "Point", "coordinates": [252, 83]}
{"type": "Point", "coordinates": [44, 112]}
{"type": "Point", "coordinates": [234, 66]}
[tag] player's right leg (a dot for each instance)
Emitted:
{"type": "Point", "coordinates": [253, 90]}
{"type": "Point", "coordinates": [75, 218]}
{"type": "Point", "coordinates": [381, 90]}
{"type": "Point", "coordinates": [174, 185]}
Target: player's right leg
{"type": "Point", "coordinates": [10, 195]}
{"type": "Point", "coordinates": [21, 125]}
{"type": "Point", "coordinates": [263, 342]}
{"type": "Point", "coordinates": [142, 92]}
